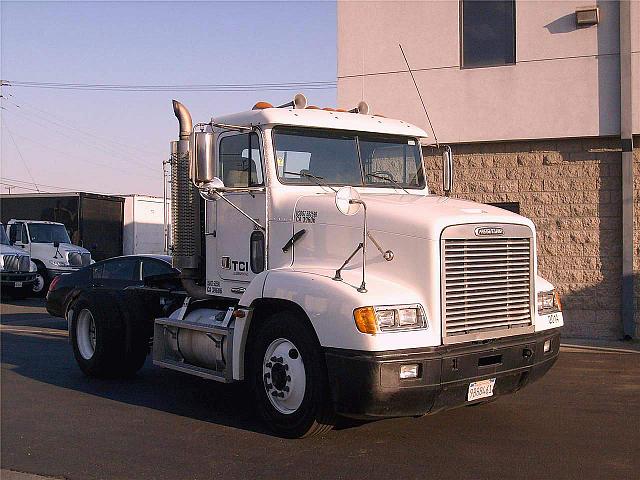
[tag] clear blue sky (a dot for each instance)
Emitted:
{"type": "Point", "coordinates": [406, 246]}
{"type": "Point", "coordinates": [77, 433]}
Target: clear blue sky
{"type": "Point", "coordinates": [115, 142]}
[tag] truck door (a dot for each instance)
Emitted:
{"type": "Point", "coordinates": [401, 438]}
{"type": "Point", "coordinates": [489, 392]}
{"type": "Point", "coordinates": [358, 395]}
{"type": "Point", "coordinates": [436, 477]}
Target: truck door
{"type": "Point", "coordinates": [240, 243]}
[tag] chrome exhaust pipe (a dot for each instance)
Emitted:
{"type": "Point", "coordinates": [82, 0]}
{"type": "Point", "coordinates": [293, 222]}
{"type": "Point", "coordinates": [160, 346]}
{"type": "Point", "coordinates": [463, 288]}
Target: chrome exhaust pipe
{"type": "Point", "coordinates": [187, 254]}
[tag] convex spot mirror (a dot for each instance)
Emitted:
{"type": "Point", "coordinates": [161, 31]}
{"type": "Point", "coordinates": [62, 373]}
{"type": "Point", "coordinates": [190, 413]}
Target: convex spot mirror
{"type": "Point", "coordinates": [348, 201]}
{"type": "Point", "coordinates": [202, 165]}
{"type": "Point", "coordinates": [216, 185]}
{"type": "Point", "coordinates": [447, 170]}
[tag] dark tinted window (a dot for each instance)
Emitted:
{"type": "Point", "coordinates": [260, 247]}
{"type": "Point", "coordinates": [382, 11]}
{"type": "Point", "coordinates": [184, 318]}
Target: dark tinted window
{"type": "Point", "coordinates": [154, 267]}
{"type": "Point", "coordinates": [18, 233]}
{"type": "Point", "coordinates": [126, 269]}
{"type": "Point", "coordinates": [488, 33]}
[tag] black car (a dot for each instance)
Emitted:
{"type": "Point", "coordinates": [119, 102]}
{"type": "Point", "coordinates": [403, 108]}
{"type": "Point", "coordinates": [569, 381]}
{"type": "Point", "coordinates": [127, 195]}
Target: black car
{"type": "Point", "coordinates": [113, 274]}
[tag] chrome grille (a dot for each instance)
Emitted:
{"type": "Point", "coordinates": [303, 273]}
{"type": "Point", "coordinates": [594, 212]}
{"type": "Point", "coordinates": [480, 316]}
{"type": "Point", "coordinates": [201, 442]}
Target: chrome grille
{"type": "Point", "coordinates": [16, 263]}
{"type": "Point", "coordinates": [487, 286]}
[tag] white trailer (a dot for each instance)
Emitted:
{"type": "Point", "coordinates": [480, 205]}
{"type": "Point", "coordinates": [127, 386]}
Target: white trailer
{"type": "Point", "coordinates": [318, 266]}
{"type": "Point", "coordinates": [143, 230]}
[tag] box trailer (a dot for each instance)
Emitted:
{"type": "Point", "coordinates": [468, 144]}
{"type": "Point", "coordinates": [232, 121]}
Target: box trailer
{"type": "Point", "coordinates": [144, 225]}
{"type": "Point", "coordinates": [93, 221]}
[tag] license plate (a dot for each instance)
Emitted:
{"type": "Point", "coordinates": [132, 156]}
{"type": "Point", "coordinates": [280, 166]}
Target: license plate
{"type": "Point", "coordinates": [481, 389]}
{"type": "Point", "coordinates": [18, 284]}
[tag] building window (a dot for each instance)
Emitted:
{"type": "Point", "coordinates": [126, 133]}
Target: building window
{"type": "Point", "coordinates": [488, 33]}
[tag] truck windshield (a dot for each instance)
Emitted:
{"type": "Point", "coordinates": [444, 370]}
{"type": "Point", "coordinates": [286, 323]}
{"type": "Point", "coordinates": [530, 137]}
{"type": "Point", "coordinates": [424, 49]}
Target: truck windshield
{"type": "Point", "coordinates": [347, 158]}
{"type": "Point", "coordinates": [4, 240]}
{"type": "Point", "coordinates": [48, 233]}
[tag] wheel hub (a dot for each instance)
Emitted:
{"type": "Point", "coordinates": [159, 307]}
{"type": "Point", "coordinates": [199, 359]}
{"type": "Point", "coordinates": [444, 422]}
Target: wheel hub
{"type": "Point", "coordinates": [284, 376]}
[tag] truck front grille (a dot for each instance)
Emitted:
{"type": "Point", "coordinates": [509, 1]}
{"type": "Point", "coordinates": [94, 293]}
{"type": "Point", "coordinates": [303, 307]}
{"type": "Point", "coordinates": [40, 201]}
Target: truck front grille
{"type": "Point", "coordinates": [16, 263]}
{"type": "Point", "coordinates": [487, 286]}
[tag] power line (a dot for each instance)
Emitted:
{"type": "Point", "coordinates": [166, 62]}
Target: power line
{"type": "Point", "coordinates": [4, 124]}
{"type": "Point", "coordinates": [219, 87]}
{"type": "Point", "coordinates": [16, 184]}
{"type": "Point", "coordinates": [108, 151]}
{"type": "Point", "coordinates": [68, 125]}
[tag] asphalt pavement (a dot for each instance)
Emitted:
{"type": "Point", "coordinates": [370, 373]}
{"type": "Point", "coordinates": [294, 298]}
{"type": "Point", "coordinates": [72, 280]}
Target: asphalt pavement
{"type": "Point", "coordinates": [580, 421]}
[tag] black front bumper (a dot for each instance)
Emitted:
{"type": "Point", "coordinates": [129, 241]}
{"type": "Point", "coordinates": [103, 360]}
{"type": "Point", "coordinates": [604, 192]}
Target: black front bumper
{"type": "Point", "coordinates": [367, 384]}
{"type": "Point", "coordinates": [9, 279]}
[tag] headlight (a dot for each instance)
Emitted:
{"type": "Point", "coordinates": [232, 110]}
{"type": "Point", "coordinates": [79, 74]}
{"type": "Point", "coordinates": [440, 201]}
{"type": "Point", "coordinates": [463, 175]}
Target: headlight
{"type": "Point", "coordinates": [549, 302]}
{"type": "Point", "coordinates": [33, 267]}
{"type": "Point", "coordinates": [58, 263]}
{"type": "Point", "coordinates": [373, 320]}
{"type": "Point", "coordinates": [1, 261]}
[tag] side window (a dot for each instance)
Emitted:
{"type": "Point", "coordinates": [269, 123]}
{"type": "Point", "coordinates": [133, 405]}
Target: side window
{"type": "Point", "coordinates": [240, 161]}
{"type": "Point", "coordinates": [127, 269]}
{"type": "Point", "coordinates": [488, 33]}
{"type": "Point", "coordinates": [96, 272]}
{"type": "Point", "coordinates": [18, 233]}
{"type": "Point", "coordinates": [154, 267]}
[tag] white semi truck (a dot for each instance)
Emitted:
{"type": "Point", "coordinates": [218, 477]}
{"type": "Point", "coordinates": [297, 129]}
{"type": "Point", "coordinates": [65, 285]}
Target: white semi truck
{"type": "Point", "coordinates": [50, 248]}
{"type": "Point", "coordinates": [317, 266]}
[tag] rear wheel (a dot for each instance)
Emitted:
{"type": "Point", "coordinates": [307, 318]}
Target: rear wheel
{"type": "Point", "coordinates": [289, 378]}
{"type": "Point", "coordinates": [101, 345]}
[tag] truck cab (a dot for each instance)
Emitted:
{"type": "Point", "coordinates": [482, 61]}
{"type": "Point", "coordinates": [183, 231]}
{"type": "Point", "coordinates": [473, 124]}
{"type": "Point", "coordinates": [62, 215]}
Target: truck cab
{"type": "Point", "coordinates": [17, 271]}
{"type": "Point", "coordinates": [50, 248]}
{"type": "Point", "coordinates": [320, 268]}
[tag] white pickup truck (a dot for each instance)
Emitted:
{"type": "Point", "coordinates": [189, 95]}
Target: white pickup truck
{"type": "Point", "coordinates": [50, 249]}
{"type": "Point", "coordinates": [319, 267]}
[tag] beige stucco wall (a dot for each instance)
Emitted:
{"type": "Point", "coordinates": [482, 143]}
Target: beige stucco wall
{"type": "Point", "coordinates": [565, 82]}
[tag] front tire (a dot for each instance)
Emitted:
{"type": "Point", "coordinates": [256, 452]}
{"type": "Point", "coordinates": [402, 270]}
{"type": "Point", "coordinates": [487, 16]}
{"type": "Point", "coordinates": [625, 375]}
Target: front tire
{"type": "Point", "coordinates": [289, 378]}
{"type": "Point", "coordinates": [41, 285]}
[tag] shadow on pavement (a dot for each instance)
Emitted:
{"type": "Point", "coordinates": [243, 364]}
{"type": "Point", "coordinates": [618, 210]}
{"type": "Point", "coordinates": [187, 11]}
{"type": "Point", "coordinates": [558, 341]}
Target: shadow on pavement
{"type": "Point", "coordinates": [49, 359]}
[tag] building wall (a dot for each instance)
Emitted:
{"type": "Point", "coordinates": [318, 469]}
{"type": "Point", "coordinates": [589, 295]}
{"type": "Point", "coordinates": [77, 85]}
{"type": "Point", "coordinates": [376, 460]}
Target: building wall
{"type": "Point", "coordinates": [636, 230]}
{"type": "Point", "coordinates": [571, 189]}
{"type": "Point", "coordinates": [565, 82]}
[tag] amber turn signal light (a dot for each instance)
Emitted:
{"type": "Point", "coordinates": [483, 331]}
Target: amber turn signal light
{"type": "Point", "coordinates": [365, 318]}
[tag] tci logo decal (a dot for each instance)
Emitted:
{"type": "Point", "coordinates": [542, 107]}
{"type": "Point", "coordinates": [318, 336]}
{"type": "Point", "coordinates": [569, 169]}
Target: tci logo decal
{"type": "Point", "coordinates": [485, 231]}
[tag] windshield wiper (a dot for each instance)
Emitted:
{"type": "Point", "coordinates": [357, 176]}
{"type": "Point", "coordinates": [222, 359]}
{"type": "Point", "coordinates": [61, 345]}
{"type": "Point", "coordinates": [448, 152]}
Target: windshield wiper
{"type": "Point", "coordinates": [318, 180]}
{"type": "Point", "coordinates": [386, 177]}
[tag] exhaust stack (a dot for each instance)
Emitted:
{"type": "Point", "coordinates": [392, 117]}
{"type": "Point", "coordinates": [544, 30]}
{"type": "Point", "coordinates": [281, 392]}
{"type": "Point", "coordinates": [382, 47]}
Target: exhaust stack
{"type": "Point", "coordinates": [186, 211]}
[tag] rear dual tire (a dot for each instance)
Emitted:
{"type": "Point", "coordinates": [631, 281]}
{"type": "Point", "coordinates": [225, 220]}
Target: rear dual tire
{"type": "Point", "coordinates": [103, 345]}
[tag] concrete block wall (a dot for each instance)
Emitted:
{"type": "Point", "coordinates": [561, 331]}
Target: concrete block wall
{"type": "Point", "coordinates": [571, 189]}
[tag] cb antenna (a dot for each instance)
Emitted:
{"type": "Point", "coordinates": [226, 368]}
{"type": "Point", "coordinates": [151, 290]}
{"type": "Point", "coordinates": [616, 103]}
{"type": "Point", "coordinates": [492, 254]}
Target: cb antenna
{"type": "Point", "coordinates": [420, 95]}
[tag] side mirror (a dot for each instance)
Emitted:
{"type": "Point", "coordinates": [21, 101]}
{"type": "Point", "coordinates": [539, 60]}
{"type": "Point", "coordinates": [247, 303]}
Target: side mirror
{"type": "Point", "coordinates": [447, 171]}
{"type": "Point", "coordinates": [348, 201]}
{"type": "Point", "coordinates": [202, 162]}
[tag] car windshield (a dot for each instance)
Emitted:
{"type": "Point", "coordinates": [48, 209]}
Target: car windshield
{"type": "Point", "coordinates": [4, 240]}
{"type": "Point", "coordinates": [48, 233]}
{"type": "Point", "coordinates": [306, 156]}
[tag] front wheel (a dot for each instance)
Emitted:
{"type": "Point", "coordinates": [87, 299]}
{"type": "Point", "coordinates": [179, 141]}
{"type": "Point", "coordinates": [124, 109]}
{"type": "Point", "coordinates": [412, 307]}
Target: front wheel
{"type": "Point", "coordinates": [289, 378]}
{"type": "Point", "coordinates": [41, 285]}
